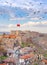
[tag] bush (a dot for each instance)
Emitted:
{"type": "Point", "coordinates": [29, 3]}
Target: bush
{"type": "Point", "coordinates": [35, 64]}
{"type": "Point", "coordinates": [3, 57]}
{"type": "Point", "coordinates": [23, 44]}
{"type": "Point", "coordinates": [45, 56]}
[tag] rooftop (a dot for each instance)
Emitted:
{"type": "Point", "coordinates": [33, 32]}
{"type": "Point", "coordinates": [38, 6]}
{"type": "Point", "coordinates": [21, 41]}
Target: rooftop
{"type": "Point", "coordinates": [44, 60]}
{"type": "Point", "coordinates": [27, 56]}
{"type": "Point", "coordinates": [3, 64]}
{"type": "Point", "coordinates": [10, 59]}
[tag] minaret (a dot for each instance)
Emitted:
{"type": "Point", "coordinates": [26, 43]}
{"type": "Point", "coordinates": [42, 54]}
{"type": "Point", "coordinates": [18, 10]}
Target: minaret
{"type": "Point", "coordinates": [17, 34]}
{"type": "Point", "coordinates": [18, 37]}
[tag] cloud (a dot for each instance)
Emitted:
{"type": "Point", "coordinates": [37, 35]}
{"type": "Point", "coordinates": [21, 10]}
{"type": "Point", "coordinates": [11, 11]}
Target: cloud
{"type": "Point", "coordinates": [34, 18]}
{"type": "Point", "coordinates": [15, 18]}
{"type": "Point", "coordinates": [31, 23]}
{"type": "Point", "coordinates": [36, 24]}
{"type": "Point", "coordinates": [11, 25]}
{"type": "Point", "coordinates": [32, 26]}
{"type": "Point", "coordinates": [23, 18]}
{"type": "Point", "coordinates": [45, 22]}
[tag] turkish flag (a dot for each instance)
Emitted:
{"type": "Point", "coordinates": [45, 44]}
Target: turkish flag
{"type": "Point", "coordinates": [18, 25]}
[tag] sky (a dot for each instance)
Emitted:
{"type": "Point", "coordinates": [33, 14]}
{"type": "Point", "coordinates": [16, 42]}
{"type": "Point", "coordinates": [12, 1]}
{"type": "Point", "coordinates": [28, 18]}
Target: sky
{"type": "Point", "coordinates": [30, 14]}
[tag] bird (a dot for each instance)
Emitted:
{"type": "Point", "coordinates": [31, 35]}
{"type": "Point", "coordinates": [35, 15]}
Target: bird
{"type": "Point", "coordinates": [6, 2]}
{"type": "Point", "coordinates": [10, 3]}
{"type": "Point", "coordinates": [45, 12]}
{"type": "Point", "coordinates": [40, 3]}
{"type": "Point", "coordinates": [38, 11]}
{"type": "Point", "coordinates": [34, 12]}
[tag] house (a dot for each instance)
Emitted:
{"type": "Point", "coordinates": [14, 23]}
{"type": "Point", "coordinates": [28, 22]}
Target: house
{"type": "Point", "coordinates": [25, 59]}
{"type": "Point", "coordinates": [17, 51]}
{"type": "Point", "coordinates": [27, 56]}
{"type": "Point", "coordinates": [10, 61]}
{"type": "Point", "coordinates": [1, 36]}
{"type": "Point", "coordinates": [9, 36]}
{"type": "Point", "coordinates": [45, 61]}
{"type": "Point", "coordinates": [3, 64]}
{"type": "Point", "coordinates": [26, 50]}
{"type": "Point", "coordinates": [10, 52]}
{"type": "Point", "coordinates": [5, 36]}
{"type": "Point", "coordinates": [12, 36]}
{"type": "Point", "coordinates": [16, 48]}
{"type": "Point", "coordinates": [1, 54]}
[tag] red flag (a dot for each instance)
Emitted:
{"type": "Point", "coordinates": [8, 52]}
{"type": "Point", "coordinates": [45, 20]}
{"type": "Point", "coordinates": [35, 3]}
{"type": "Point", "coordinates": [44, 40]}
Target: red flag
{"type": "Point", "coordinates": [18, 25]}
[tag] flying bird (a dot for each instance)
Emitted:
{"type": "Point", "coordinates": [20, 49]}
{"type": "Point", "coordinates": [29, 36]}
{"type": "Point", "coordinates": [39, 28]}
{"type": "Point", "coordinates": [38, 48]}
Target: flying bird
{"type": "Point", "coordinates": [6, 2]}
{"type": "Point", "coordinates": [10, 3]}
{"type": "Point", "coordinates": [38, 11]}
{"type": "Point", "coordinates": [34, 12]}
{"type": "Point", "coordinates": [45, 12]}
{"type": "Point", "coordinates": [40, 18]}
{"type": "Point", "coordinates": [40, 3]}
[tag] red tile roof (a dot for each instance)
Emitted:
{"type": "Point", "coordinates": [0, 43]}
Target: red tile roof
{"type": "Point", "coordinates": [44, 61]}
{"type": "Point", "coordinates": [27, 56]}
{"type": "Point", "coordinates": [6, 36]}
{"type": "Point", "coordinates": [9, 36]}
{"type": "Point", "coordinates": [12, 36]}
{"type": "Point", "coordinates": [3, 64]}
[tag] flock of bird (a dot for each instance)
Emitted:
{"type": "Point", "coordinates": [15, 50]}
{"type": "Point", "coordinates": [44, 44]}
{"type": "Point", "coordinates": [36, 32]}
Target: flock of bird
{"type": "Point", "coordinates": [34, 12]}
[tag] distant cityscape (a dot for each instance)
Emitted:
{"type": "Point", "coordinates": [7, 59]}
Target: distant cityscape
{"type": "Point", "coordinates": [23, 48]}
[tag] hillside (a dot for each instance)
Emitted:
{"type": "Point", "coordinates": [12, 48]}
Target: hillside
{"type": "Point", "coordinates": [26, 37]}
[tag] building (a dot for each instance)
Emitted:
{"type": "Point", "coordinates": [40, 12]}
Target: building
{"type": "Point", "coordinates": [3, 64]}
{"type": "Point", "coordinates": [44, 61]}
{"type": "Point", "coordinates": [26, 50]}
